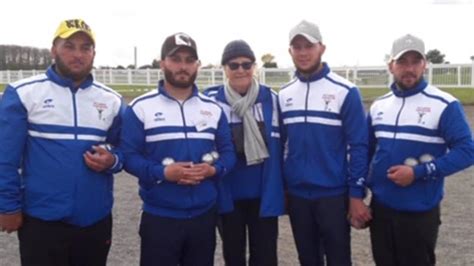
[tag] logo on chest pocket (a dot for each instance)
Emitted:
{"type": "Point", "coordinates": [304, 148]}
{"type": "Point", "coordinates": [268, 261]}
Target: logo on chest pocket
{"type": "Point", "coordinates": [100, 107]}
{"type": "Point", "coordinates": [328, 98]}
{"type": "Point", "coordinates": [422, 112]}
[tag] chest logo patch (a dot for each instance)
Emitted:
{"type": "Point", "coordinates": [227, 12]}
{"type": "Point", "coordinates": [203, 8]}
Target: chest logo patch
{"type": "Point", "coordinates": [328, 98]}
{"type": "Point", "coordinates": [422, 112]}
{"type": "Point", "coordinates": [100, 107]}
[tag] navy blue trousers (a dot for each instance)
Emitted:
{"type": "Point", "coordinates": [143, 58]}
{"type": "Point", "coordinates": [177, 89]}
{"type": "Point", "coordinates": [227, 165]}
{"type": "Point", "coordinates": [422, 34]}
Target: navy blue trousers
{"type": "Point", "coordinates": [403, 238]}
{"type": "Point", "coordinates": [169, 241]}
{"type": "Point", "coordinates": [320, 227]}
{"type": "Point", "coordinates": [262, 235]}
{"type": "Point", "coordinates": [55, 243]}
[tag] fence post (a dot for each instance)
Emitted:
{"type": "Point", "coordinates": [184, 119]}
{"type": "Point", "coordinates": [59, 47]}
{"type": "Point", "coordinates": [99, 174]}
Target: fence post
{"type": "Point", "coordinates": [390, 76]}
{"type": "Point", "coordinates": [213, 76]}
{"type": "Point", "coordinates": [430, 73]}
{"type": "Point", "coordinates": [148, 81]}
{"type": "Point", "coordinates": [262, 75]}
{"type": "Point", "coordinates": [354, 75]}
{"type": "Point", "coordinates": [459, 75]}
{"type": "Point", "coordinates": [472, 72]}
{"type": "Point", "coordinates": [8, 77]}
{"type": "Point", "coordinates": [129, 76]}
{"type": "Point", "coordinates": [111, 80]}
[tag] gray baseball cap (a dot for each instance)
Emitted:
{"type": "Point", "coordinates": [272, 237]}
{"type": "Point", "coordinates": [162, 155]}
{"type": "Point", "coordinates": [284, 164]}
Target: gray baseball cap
{"type": "Point", "coordinates": [308, 30]}
{"type": "Point", "coordinates": [405, 44]}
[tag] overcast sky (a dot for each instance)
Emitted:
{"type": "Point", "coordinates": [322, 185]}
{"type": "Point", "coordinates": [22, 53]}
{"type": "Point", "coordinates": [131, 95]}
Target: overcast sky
{"type": "Point", "coordinates": [356, 32]}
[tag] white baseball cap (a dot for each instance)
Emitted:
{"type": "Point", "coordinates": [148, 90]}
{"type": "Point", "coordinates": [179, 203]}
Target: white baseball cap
{"type": "Point", "coordinates": [308, 30]}
{"type": "Point", "coordinates": [405, 44]}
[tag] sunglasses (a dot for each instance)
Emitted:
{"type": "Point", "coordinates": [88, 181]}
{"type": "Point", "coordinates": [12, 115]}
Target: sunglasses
{"type": "Point", "coordinates": [244, 65]}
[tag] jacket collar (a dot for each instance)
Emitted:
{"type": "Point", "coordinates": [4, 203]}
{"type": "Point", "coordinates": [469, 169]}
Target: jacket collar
{"type": "Point", "coordinates": [67, 82]}
{"type": "Point", "coordinates": [315, 76]}
{"type": "Point", "coordinates": [409, 92]}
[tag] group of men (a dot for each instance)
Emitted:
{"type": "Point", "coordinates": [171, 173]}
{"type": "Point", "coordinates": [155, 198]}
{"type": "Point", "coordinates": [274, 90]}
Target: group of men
{"type": "Point", "coordinates": [233, 151]}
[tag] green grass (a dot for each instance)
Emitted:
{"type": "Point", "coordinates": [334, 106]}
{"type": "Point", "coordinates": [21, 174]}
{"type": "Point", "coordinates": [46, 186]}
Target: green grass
{"type": "Point", "coordinates": [465, 95]}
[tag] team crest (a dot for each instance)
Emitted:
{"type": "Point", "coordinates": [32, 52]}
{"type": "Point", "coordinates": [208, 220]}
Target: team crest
{"type": "Point", "coordinates": [100, 107]}
{"type": "Point", "coordinates": [328, 98]}
{"type": "Point", "coordinates": [422, 111]}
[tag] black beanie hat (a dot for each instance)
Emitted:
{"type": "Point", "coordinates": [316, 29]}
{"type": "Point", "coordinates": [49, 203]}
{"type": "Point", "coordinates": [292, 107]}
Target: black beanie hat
{"type": "Point", "coordinates": [235, 49]}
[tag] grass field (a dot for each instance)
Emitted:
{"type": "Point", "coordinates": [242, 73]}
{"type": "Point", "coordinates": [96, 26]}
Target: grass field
{"type": "Point", "coordinates": [465, 95]}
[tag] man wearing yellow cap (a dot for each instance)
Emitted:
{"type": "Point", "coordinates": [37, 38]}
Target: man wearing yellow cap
{"type": "Point", "coordinates": [58, 128]}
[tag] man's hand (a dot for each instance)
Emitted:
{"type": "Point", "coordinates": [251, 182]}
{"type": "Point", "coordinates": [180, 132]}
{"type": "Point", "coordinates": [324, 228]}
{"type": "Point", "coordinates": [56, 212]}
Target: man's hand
{"type": "Point", "coordinates": [187, 173]}
{"type": "Point", "coordinates": [359, 214]}
{"type": "Point", "coordinates": [401, 175]}
{"type": "Point", "coordinates": [100, 159]}
{"type": "Point", "coordinates": [11, 222]}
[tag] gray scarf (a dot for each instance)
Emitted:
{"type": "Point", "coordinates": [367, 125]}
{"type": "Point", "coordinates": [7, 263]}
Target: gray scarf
{"type": "Point", "coordinates": [254, 145]}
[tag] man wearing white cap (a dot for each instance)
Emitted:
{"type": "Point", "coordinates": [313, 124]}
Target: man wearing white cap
{"type": "Point", "coordinates": [323, 125]}
{"type": "Point", "coordinates": [418, 135]}
{"type": "Point", "coordinates": [56, 128]}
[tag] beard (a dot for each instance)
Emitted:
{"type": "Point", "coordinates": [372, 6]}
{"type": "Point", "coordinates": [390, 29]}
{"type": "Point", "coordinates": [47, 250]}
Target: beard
{"type": "Point", "coordinates": [182, 84]}
{"type": "Point", "coordinates": [309, 71]}
{"type": "Point", "coordinates": [407, 86]}
{"type": "Point", "coordinates": [65, 71]}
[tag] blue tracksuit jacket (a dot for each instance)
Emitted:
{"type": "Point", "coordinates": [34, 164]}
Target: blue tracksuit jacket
{"type": "Point", "coordinates": [415, 124]}
{"type": "Point", "coordinates": [159, 127]}
{"type": "Point", "coordinates": [326, 144]}
{"type": "Point", "coordinates": [45, 128]}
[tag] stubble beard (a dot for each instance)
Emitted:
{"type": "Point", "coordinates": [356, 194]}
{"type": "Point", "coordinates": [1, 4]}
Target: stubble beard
{"type": "Point", "coordinates": [308, 72]}
{"type": "Point", "coordinates": [65, 71]}
{"type": "Point", "coordinates": [170, 78]}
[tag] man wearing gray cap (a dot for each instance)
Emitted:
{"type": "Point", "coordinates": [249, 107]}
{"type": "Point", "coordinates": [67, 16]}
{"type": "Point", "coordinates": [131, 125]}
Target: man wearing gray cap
{"type": "Point", "coordinates": [418, 135]}
{"type": "Point", "coordinates": [323, 125]}
{"type": "Point", "coordinates": [178, 143]}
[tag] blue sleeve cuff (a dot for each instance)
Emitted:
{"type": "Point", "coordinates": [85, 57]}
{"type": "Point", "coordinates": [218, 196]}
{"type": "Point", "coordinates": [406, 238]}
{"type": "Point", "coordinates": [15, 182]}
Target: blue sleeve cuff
{"type": "Point", "coordinates": [220, 170]}
{"type": "Point", "coordinates": [425, 171]}
{"type": "Point", "coordinates": [357, 192]}
{"type": "Point", "coordinates": [117, 166]}
{"type": "Point", "coordinates": [158, 173]}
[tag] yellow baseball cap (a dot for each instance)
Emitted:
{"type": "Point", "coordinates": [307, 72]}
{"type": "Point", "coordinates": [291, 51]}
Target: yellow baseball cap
{"type": "Point", "coordinates": [71, 26]}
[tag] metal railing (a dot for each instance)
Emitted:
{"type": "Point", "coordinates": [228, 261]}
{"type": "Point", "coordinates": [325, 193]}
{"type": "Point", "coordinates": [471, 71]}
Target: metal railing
{"type": "Point", "coordinates": [443, 75]}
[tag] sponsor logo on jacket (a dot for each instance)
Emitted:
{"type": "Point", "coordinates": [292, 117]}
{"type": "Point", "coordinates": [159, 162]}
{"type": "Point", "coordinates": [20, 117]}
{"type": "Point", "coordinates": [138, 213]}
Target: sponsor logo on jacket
{"type": "Point", "coordinates": [159, 117]}
{"type": "Point", "coordinates": [48, 103]}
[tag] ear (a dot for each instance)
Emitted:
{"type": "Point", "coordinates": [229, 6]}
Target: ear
{"type": "Point", "coordinates": [53, 51]}
{"type": "Point", "coordinates": [162, 63]}
{"type": "Point", "coordinates": [390, 66]}
{"type": "Point", "coordinates": [323, 48]}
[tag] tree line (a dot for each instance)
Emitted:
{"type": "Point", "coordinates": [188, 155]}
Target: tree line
{"type": "Point", "coordinates": [15, 57]}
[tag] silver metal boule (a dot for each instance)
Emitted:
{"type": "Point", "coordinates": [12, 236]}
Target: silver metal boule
{"type": "Point", "coordinates": [215, 155]}
{"type": "Point", "coordinates": [167, 161]}
{"type": "Point", "coordinates": [207, 158]}
{"type": "Point", "coordinates": [410, 161]}
{"type": "Point", "coordinates": [426, 158]}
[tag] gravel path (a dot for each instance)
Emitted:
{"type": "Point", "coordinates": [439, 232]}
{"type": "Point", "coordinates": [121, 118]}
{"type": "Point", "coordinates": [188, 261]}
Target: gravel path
{"type": "Point", "coordinates": [455, 242]}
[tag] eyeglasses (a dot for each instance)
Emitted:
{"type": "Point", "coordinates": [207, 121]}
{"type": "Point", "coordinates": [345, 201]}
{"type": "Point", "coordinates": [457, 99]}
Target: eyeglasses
{"type": "Point", "coordinates": [244, 65]}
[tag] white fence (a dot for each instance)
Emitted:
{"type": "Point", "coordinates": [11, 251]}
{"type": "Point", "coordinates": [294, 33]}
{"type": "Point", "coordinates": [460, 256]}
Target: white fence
{"type": "Point", "coordinates": [446, 75]}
